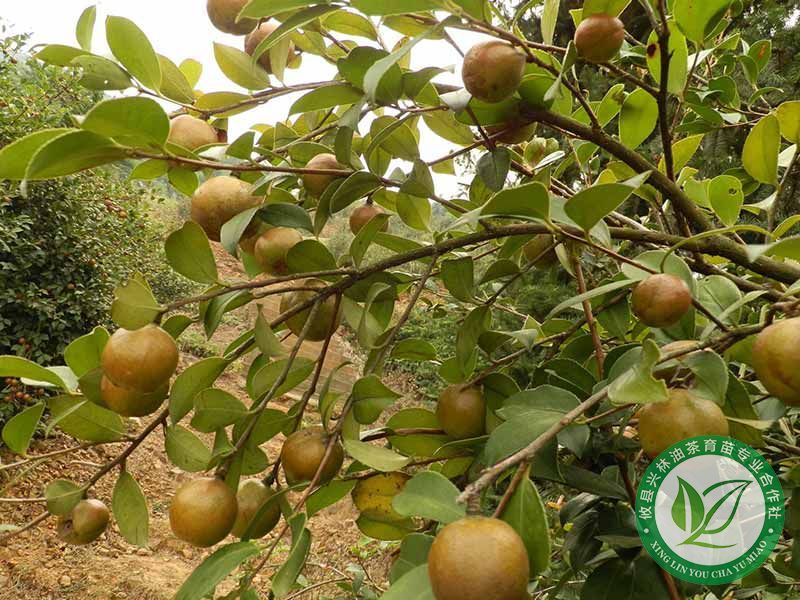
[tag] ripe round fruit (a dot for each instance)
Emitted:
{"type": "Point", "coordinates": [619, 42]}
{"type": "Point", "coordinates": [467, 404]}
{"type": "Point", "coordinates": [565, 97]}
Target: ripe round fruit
{"type": "Point", "coordinates": [516, 132]}
{"type": "Point", "coordinates": [363, 215]}
{"type": "Point", "coordinates": [373, 496]}
{"type": "Point", "coordinates": [661, 300]}
{"type": "Point", "coordinates": [536, 246]}
{"type": "Point", "coordinates": [317, 183]}
{"type": "Point", "coordinates": [776, 359]}
{"type": "Point", "coordinates": [493, 70]}
{"type": "Point", "coordinates": [271, 248]}
{"type": "Point", "coordinates": [223, 15]}
{"type": "Point", "coordinates": [683, 415]}
{"type": "Point", "coordinates": [191, 133]}
{"type": "Point", "coordinates": [203, 511]}
{"type": "Point", "coordinates": [325, 320]}
{"type": "Point", "coordinates": [255, 37]}
{"type": "Point", "coordinates": [302, 454]}
{"type": "Point", "coordinates": [461, 411]}
{"type": "Point", "coordinates": [218, 200]}
{"type": "Point", "coordinates": [599, 37]}
{"type": "Point", "coordinates": [84, 523]}
{"type": "Point", "coordinates": [130, 402]}
{"type": "Point", "coordinates": [250, 498]}
{"type": "Point", "coordinates": [478, 558]}
{"type": "Point", "coordinates": [143, 359]}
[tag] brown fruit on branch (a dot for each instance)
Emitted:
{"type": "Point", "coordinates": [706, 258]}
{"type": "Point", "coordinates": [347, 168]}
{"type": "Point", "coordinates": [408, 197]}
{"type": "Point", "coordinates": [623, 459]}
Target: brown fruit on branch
{"type": "Point", "coordinates": [461, 411]}
{"type": "Point", "coordinates": [203, 511]}
{"type": "Point", "coordinates": [143, 359]}
{"type": "Point", "coordinates": [191, 133]}
{"type": "Point", "coordinates": [272, 247]}
{"type": "Point", "coordinates": [514, 132]}
{"type": "Point", "coordinates": [302, 455]}
{"type": "Point", "coordinates": [252, 495]}
{"type": "Point", "coordinates": [599, 38]}
{"type": "Point", "coordinates": [363, 215]}
{"type": "Point", "coordinates": [325, 321]}
{"type": "Point", "coordinates": [661, 300]}
{"type": "Point", "coordinates": [317, 183]}
{"type": "Point", "coordinates": [255, 37]}
{"type": "Point", "coordinates": [223, 14]}
{"type": "Point", "coordinates": [84, 523]}
{"type": "Point", "coordinates": [537, 248]}
{"type": "Point", "coordinates": [218, 200]}
{"type": "Point", "coordinates": [130, 402]}
{"type": "Point", "coordinates": [479, 558]}
{"type": "Point", "coordinates": [683, 415]}
{"type": "Point", "coordinates": [776, 360]}
{"type": "Point", "coordinates": [493, 70]}
{"type": "Point", "coordinates": [373, 496]}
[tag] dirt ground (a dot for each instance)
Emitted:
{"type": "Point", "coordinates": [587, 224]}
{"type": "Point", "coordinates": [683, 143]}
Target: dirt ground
{"type": "Point", "coordinates": [36, 565]}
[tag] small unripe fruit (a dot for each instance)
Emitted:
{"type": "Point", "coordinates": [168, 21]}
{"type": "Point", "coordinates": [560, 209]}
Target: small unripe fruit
{"type": "Point", "coordinates": [223, 14]}
{"type": "Point", "coordinates": [514, 132]}
{"type": "Point", "coordinates": [599, 38]}
{"type": "Point", "coordinates": [143, 359]}
{"type": "Point", "coordinates": [218, 200]}
{"type": "Point", "coordinates": [252, 495]}
{"type": "Point", "coordinates": [363, 215]}
{"type": "Point", "coordinates": [682, 416]}
{"type": "Point", "coordinates": [479, 558]}
{"type": "Point", "coordinates": [255, 37]}
{"type": "Point", "coordinates": [535, 151]}
{"type": "Point", "coordinates": [493, 70]}
{"type": "Point", "coordinates": [191, 133]}
{"type": "Point", "coordinates": [130, 402]}
{"type": "Point", "coordinates": [325, 321]}
{"type": "Point", "coordinates": [84, 523]}
{"type": "Point", "coordinates": [461, 411]}
{"type": "Point", "coordinates": [661, 300]}
{"type": "Point", "coordinates": [203, 511]}
{"type": "Point", "coordinates": [776, 360]}
{"type": "Point", "coordinates": [679, 369]}
{"type": "Point", "coordinates": [272, 247]}
{"type": "Point", "coordinates": [302, 454]}
{"type": "Point", "coordinates": [317, 183]}
{"type": "Point", "coordinates": [373, 496]}
{"type": "Point", "coordinates": [541, 247]}
{"type": "Point", "coordinates": [551, 146]}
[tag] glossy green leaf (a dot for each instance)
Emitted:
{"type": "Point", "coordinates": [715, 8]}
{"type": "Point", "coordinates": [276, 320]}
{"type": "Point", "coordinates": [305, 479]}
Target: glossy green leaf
{"type": "Point", "coordinates": [185, 450]}
{"type": "Point", "coordinates": [525, 513]}
{"type": "Point", "coordinates": [761, 149]}
{"type": "Point", "coordinates": [132, 121]}
{"type": "Point", "coordinates": [205, 578]}
{"type": "Point", "coordinates": [72, 152]}
{"type": "Point", "coordinates": [19, 429]}
{"type": "Point", "coordinates": [15, 157]}
{"type": "Point", "coordinates": [327, 96]}
{"type": "Point", "coordinates": [99, 73]}
{"type": "Point", "coordinates": [85, 28]}
{"type": "Point", "coordinates": [637, 118]}
{"type": "Point", "coordinates": [83, 353]}
{"type": "Point", "coordinates": [16, 366]}
{"type": "Point", "coordinates": [190, 382]}
{"type": "Point", "coordinates": [697, 18]}
{"type": "Point", "coordinates": [429, 495]}
{"type": "Point", "coordinates": [637, 385]}
{"type": "Point", "coordinates": [130, 510]}
{"type": "Point", "coordinates": [85, 420]}
{"type": "Point", "coordinates": [240, 68]}
{"type": "Point", "coordinates": [131, 47]}
{"type": "Point", "coordinates": [134, 305]}
{"type": "Point", "coordinates": [788, 115]}
{"type": "Point", "coordinates": [190, 254]}
{"type": "Point", "coordinates": [590, 205]}
{"type": "Point", "coordinates": [214, 409]}
{"type": "Point", "coordinates": [726, 197]}
{"type": "Point", "coordinates": [376, 457]}
{"type": "Point", "coordinates": [62, 496]}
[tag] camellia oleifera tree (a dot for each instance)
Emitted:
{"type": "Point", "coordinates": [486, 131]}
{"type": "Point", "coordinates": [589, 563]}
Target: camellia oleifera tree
{"type": "Point", "coordinates": [683, 322]}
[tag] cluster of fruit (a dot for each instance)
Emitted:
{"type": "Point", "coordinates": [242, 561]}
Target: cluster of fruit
{"type": "Point", "coordinates": [16, 391]}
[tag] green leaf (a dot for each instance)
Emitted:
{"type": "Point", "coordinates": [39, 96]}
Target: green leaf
{"type": "Point", "coordinates": [351, 24]}
{"type": "Point", "coordinates": [458, 277]}
{"type": "Point", "coordinates": [414, 349]}
{"type": "Point", "coordinates": [678, 60]}
{"type": "Point", "coordinates": [283, 214]}
{"type": "Point", "coordinates": [726, 197]}
{"type": "Point", "coordinates": [85, 28]}
{"type": "Point", "coordinates": [131, 47]}
{"type": "Point", "coordinates": [266, 340]}
{"type": "Point", "coordinates": [381, 459]}
{"type": "Point", "coordinates": [99, 73]}
{"type": "Point", "coordinates": [607, 7]}
{"type": "Point", "coordinates": [588, 207]}
{"type": "Point", "coordinates": [192, 381]}
{"type": "Point", "coordinates": [309, 256]}
{"type": "Point", "coordinates": [414, 211]}
{"type": "Point", "coordinates": [637, 118]}
{"type": "Point", "coordinates": [365, 236]}
{"type": "Point", "coordinates": [190, 254]}
{"type": "Point", "coordinates": [19, 429]}
{"type": "Point", "coordinates": [356, 186]}
{"type": "Point", "coordinates": [285, 578]}
{"type": "Point", "coordinates": [185, 450]}
{"type": "Point", "coordinates": [219, 306]}
{"type": "Point", "coordinates": [493, 168]}
{"type": "Point", "coordinates": [132, 121]}
{"type": "Point", "coordinates": [370, 398]}
{"type": "Point", "coordinates": [62, 496]}
{"type": "Point", "coordinates": [414, 552]}
{"type": "Point", "coordinates": [429, 495]}
{"type": "Point", "coordinates": [174, 84]}
{"type": "Point", "coordinates": [183, 180]}
{"type": "Point", "coordinates": [59, 55]}
{"type": "Point", "coordinates": [295, 21]}
{"type": "Point", "coordinates": [525, 513]}
{"type": "Point", "coordinates": [761, 149]}
{"type": "Point", "coordinates": [16, 366]}
{"type": "Point", "coordinates": [788, 115]}
{"type": "Point", "coordinates": [266, 377]}
{"type": "Point", "coordinates": [205, 578]}
{"type": "Point", "coordinates": [240, 68]}
{"type": "Point", "coordinates": [414, 584]}
{"type": "Point", "coordinates": [549, 19]}
{"type": "Point", "coordinates": [130, 510]}
{"type": "Point", "coordinates": [14, 157]}
{"type": "Point", "coordinates": [215, 409]}
{"type": "Point", "coordinates": [134, 305]}
{"type": "Point", "coordinates": [528, 201]}
{"type": "Point", "coordinates": [325, 97]}
{"type": "Point", "coordinates": [393, 7]}
{"type": "Point", "coordinates": [625, 579]}
{"type": "Point", "coordinates": [83, 353]}
{"type": "Point", "coordinates": [328, 495]}
{"type": "Point", "coordinates": [72, 152]}
{"type": "Point", "coordinates": [687, 497]}
{"type": "Point", "coordinates": [682, 152]}
{"type": "Point", "coordinates": [192, 70]}
{"type": "Point", "coordinates": [697, 18]}
{"type": "Point", "coordinates": [85, 420]}
{"type": "Point", "coordinates": [261, 9]}
{"type": "Point", "coordinates": [637, 385]}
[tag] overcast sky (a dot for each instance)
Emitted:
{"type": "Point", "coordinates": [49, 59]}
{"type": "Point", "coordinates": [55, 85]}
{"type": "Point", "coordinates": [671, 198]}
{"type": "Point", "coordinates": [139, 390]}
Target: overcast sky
{"type": "Point", "coordinates": [180, 29]}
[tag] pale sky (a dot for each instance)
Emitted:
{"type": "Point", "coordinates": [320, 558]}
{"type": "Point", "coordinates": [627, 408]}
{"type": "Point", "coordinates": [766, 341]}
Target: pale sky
{"type": "Point", "coordinates": [180, 29]}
